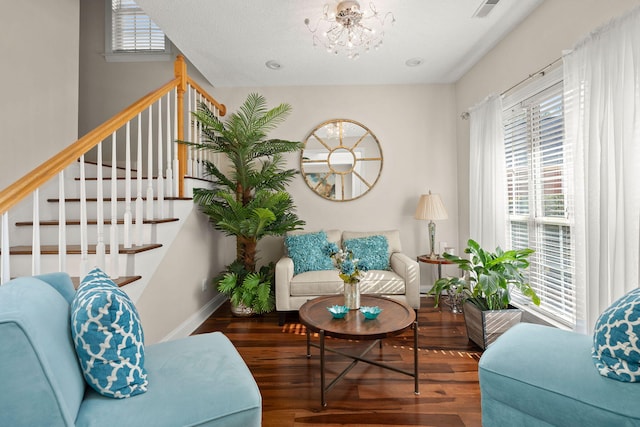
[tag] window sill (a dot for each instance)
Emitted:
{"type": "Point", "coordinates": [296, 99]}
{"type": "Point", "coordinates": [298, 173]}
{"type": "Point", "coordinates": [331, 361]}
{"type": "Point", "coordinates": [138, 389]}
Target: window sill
{"type": "Point", "coordinates": [532, 316]}
{"type": "Point", "coordinates": [138, 57]}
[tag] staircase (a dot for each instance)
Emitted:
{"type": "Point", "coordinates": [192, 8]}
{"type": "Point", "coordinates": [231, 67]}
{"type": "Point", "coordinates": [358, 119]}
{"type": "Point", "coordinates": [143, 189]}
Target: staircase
{"type": "Point", "coordinates": [136, 220]}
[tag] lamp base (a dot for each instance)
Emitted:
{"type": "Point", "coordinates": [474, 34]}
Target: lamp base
{"type": "Point", "coordinates": [432, 240]}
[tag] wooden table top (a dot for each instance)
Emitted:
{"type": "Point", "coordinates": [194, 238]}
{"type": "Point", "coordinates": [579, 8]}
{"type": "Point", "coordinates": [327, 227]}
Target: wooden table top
{"type": "Point", "coordinates": [394, 319]}
{"type": "Point", "coordinates": [429, 260]}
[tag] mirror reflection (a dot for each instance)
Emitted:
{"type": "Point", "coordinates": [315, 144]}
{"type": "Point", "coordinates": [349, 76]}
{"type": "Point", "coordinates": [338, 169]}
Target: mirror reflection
{"type": "Point", "coordinates": [341, 160]}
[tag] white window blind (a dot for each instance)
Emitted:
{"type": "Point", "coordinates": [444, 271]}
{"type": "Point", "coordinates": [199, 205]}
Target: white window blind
{"type": "Point", "coordinates": [132, 30]}
{"type": "Point", "coordinates": [538, 164]}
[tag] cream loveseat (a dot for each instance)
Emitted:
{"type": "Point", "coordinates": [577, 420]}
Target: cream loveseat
{"type": "Point", "coordinates": [400, 281]}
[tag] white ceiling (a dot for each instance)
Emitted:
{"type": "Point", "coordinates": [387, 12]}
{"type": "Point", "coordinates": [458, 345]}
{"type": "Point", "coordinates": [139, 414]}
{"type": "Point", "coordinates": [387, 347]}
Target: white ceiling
{"type": "Point", "coordinates": [229, 41]}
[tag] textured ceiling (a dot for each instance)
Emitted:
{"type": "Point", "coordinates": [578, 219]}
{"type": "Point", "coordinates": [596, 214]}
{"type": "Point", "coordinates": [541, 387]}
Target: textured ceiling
{"type": "Point", "coordinates": [229, 41]}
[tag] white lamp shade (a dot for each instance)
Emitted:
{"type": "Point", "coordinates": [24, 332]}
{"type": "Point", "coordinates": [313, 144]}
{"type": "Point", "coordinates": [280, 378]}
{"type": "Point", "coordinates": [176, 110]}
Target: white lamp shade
{"type": "Point", "coordinates": [430, 207]}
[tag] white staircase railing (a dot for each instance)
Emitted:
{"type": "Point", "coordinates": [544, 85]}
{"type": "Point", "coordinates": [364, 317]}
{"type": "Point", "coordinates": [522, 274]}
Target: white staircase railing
{"type": "Point", "coordinates": [158, 121]}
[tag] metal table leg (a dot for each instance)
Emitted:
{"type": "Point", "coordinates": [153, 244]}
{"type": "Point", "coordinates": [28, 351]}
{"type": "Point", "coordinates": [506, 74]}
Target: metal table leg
{"type": "Point", "coordinates": [415, 358]}
{"type": "Point", "coordinates": [322, 380]}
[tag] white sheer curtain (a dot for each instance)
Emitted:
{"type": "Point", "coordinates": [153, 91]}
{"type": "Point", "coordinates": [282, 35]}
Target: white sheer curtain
{"type": "Point", "coordinates": [487, 182]}
{"type": "Point", "coordinates": [602, 120]}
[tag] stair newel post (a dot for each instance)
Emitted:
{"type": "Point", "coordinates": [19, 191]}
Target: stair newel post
{"type": "Point", "coordinates": [62, 224]}
{"type": "Point", "coordinates": [169, 172]}
{"type": "Point", "coordinates": [84, 246]}
{"type": "Point", "coordinates": [100, 247]}
{"type": "Point", "coordinates": [114, 247]}
{"type": "Point", "coordinates": [35, 243]}
{"type": "Point", "coordinates": [139, 203]}
{"type": "Point", "coordinates": [180, 163]}
{"type": "Point", "coordinates": [159, 178]}
{"type": "Point", "coordinates": [126, 241]}
{"type": "Point", "coordinates": [150, 164]}
{"type": "Point", "coordinates": [5, 275]}
{"type": "Point", "coordinates": [189, 132]}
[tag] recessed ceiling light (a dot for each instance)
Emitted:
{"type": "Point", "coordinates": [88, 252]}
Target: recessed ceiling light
{"type": "Point", "coordinates": [414, 62]}
{"type": "Point", "coordinates": [273, 65]}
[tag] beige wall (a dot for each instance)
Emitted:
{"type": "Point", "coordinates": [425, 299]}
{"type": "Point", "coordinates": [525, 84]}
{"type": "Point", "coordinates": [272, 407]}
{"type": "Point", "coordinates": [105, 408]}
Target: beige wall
{"type": "Point", "coordinates": [39, 103]}
{"type": "Point", "coordinates": [416, 129]}
{"type": "Point", "coordinates": [553, 27]}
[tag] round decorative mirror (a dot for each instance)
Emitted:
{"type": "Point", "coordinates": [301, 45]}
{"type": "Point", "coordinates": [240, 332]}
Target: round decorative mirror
{"type": "Point", "coordinates": [341, 160]}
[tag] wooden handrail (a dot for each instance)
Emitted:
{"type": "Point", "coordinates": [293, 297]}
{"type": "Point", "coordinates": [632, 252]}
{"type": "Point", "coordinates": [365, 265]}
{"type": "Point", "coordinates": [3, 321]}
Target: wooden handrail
{"type": "Point", "coordinates": [33, 180]}
{"type": "Point", "coordinates": [222, 109]}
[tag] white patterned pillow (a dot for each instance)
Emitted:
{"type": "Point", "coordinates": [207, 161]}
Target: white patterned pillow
{"type": "Point", "coordinates": [616, 346]}
{"type": "Point", "coordinates": [108, 337]}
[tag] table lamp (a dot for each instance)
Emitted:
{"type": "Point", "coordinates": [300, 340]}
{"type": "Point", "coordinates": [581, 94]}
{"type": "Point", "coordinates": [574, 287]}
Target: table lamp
{"type": "Point", "coordinates": [430, 207]}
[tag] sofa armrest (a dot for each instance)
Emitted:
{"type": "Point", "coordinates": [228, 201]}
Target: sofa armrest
{"type": "Point", "coordinates": [284, 274]}
{"type": "Point", "coordinates": [409, 270]}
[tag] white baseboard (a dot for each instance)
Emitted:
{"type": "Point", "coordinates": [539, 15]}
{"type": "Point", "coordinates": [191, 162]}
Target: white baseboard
{"type": "Point", "coordinates": [191, 324]}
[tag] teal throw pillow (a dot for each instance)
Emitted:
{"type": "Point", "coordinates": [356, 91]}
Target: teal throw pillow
{"type": "Point", "coordinates": [108, 337]}
{"type": "Point", "coordinates": [616, 351]}
{"type": "Point", "coordinates": [308, 252]}
{"type": "Point", "coordinates": [372, 252]}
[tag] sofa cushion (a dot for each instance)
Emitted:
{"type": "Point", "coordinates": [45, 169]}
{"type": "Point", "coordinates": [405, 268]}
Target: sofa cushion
{"type": "Point", "coordinates": [616, 346]}
{"type": "Point", "coordinates": [372, 252]}
{"type": "Point", "coordinates": [200, 380]}
{"type": "Point", "coordinates": [314, 283]}
{"type": "Point", "coordinates": [547, 373]}
{"type": "Point", "coordinates": [108, 337]}
{"type": "Point", "coordinates": [393, 237]}
{"type": "Point", "coordinates": [307, 252]}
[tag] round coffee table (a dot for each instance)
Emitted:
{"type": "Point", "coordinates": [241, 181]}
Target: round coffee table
{"type": "Point", "coordinates": [394, 319]}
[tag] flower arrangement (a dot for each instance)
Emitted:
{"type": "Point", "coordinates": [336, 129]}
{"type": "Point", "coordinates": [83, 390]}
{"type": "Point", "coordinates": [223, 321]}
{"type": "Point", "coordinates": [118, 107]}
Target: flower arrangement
{"type": "Point", "coordinates": [345, 262]}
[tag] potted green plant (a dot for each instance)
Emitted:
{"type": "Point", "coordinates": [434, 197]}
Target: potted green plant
{"type": "Point", "coordinates": [249, 201]}
{"type": "Point", "coordinates": [486, 290]}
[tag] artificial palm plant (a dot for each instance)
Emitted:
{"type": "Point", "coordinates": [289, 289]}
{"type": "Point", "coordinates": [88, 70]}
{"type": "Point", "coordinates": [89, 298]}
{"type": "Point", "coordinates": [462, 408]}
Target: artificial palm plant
{"type": "Point", "coordinates": [249, 202]}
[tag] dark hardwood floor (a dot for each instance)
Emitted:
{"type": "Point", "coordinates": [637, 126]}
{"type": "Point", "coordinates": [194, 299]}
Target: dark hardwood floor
{"type": "Point", "coordinates": [367, 395]}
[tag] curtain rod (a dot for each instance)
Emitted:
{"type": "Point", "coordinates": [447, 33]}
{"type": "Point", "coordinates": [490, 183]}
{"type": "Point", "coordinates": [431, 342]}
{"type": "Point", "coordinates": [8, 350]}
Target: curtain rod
{"type": "Point", "coordinates": [540, 72]}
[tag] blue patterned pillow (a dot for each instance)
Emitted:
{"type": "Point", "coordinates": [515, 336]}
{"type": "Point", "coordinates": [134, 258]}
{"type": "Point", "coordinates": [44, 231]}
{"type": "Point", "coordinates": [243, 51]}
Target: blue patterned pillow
{"type": "Point", "coordinates": [307, 252]}
{"type": "Point", "coordinates": [108, 337]}
{"type": "Point", "coordinates": [372, 252]}
{"type": "Point", "coordinates": [616, 351]}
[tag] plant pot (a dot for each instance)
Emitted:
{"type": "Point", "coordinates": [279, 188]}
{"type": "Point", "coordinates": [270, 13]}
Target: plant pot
{"type": "Point", "coordinates": [242, 310]}
{"type": "Point", "coordinates": [484, 327]}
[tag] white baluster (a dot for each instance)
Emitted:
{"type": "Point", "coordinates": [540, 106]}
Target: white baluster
{"type": "Point", "coordinates": [189, 133]}
{"type": "Point", "coordinates": [126, 241]}
{"type": "Point", "coordinates": [62, 224]}
{"type": "Point", "coordinates": [35, 241]}
{"type": "Point", "coordinates": [169, 172]}
{"type": "Point", "coordinates": [176, 166]}
{"type": "Point", "coordinates": [114, 247]}
{"type": "Point", "coordinates": [194, 135]}
{"type": "Point", "coordinates": [84, 247]}
{"type": "Point", "coordinates": [5, 276]}
{"type": "Point", "coordinates": [139, 202]}
{"type": "Point", "coordinates": [198, 153]}
{"type": "Point", "coordinates": [150, 165]}
{"type": "Point", "coordinates": [160, 179]}
{"type": "Point", "coordinates": [100, 246]}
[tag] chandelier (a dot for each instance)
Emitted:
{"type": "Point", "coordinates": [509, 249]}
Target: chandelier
{"type": "Point", "coordinates": [348, 29]}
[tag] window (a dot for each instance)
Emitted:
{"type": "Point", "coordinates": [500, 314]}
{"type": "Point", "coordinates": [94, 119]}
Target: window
{"type": "Point", "coordinates": [538, 167]}
{"type": "Point", "coordinates": [131, 35]}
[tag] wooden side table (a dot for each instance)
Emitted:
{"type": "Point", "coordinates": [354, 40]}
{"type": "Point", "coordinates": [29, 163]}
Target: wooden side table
{"type": "Point", "coordinates": [439, 261]}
